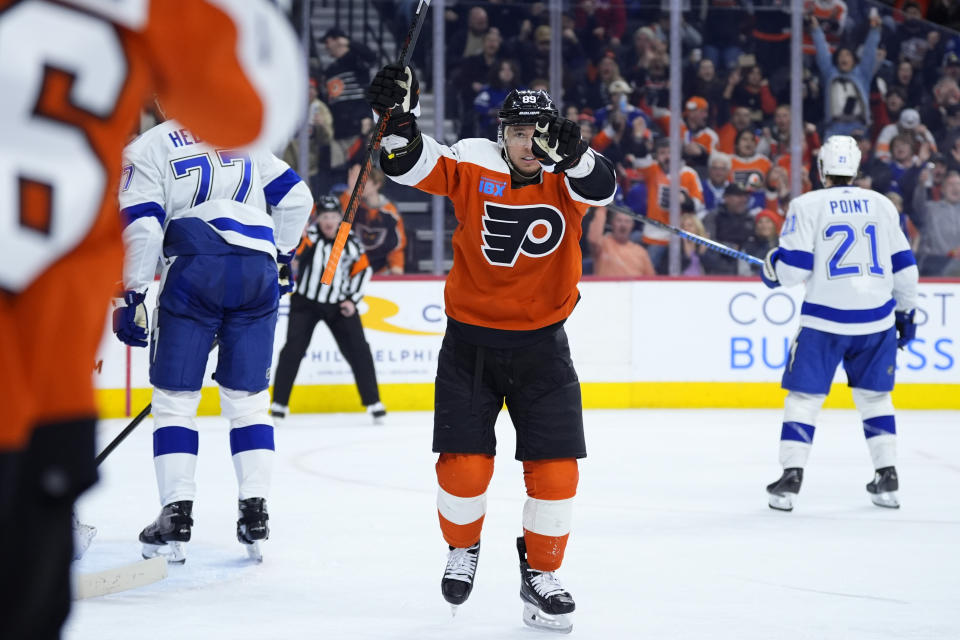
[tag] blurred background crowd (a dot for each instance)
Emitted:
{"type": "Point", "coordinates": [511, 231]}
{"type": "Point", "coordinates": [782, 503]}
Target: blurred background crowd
{"type": "Point", "coordinates": [885, 73]}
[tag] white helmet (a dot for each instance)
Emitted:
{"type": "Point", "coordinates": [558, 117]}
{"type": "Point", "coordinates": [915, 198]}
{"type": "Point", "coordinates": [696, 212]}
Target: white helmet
{"type": "Point", "coordinates": [839, 156]}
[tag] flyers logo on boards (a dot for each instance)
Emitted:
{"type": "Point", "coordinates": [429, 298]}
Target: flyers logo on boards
{"type": "Point", "coordinates": [531, 230]}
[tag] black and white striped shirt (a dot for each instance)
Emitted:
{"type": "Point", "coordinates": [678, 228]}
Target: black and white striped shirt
{"type": "Point", "coordinates": [352, 275]}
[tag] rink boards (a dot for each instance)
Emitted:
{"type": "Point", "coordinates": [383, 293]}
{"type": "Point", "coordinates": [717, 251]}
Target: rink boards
{"type": "Point", "coordinates": [635, 343]}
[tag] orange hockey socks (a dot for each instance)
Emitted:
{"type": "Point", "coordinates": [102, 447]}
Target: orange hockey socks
{"type": "Point", "coordinates": [547, 513]}
{"type": "Point", "coordinates": [462, 496]}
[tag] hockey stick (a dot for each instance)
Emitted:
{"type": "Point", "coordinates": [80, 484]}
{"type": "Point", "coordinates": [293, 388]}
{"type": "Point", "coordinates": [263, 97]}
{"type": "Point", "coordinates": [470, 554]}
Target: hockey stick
{"type": "Point", "coordinates": [134, 423]}
{"type": "Point", "coordinates": [123, 434]}
{"type": "Point", "coordinates": [130, 576]}
{"type": "Point", "coordinates": [405, 52]}
{"type": "Point", "coordinates": [709, 244]}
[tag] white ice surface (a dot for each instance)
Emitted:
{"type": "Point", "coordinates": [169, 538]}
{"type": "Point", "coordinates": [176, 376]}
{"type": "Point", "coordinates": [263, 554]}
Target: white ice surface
{"type": "Point", "coordinates": [672, 537]}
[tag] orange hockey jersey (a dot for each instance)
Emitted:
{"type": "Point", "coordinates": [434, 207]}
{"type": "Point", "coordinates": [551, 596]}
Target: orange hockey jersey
{"type": "Point", "coordinates": [705, 137]}
{"type": "Point", "coordinates": [516, 252]}
{"type": "Point", "coordinates": [750, 172]}
{"type": "Point", "coordinates": [658, 196]}
{"type": "Point", "coordinates": [75, 76]}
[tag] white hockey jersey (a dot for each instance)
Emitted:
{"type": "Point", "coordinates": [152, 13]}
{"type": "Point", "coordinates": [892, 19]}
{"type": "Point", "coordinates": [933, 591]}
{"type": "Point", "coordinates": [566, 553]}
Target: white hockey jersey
{"type": "Point", "coordinates": [846, 244]}
{"type": "Point", "coordinates": [178, 192]}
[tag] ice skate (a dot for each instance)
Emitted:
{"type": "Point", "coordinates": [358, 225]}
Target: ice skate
{"type": "Point", "coordinates": [783, 492]}
{"type": "Point", "coordinates": [278, 412]}
{"type": "Point", "coordinates": [168, 533]}
{"type": "Point", "coordinates": [82, 537]}
{"type": "Point", "coordinates": [883, 488]}
{"type": "Point", "coordinates": [377, 412]}
{"type": "Point", "coordinates": [458, 577]}
{"type": "Point", "coordinates": [546, 604]}
{"type": "Point", "coordinates": [252, 526]}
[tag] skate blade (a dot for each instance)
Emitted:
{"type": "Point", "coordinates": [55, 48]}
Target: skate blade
{"type": "Point", "coordinates": [453, 610]}
{"type": "Point", "coordinates": [886, 499]}
{"type": "Point", "coordinates": [254, 552]}
{"type": "Point", "coordinates": [534, 617]}
{"type": "Point", "coordinates": [174, 552]}
{"type": "Point", "coordinates": [781, 502]}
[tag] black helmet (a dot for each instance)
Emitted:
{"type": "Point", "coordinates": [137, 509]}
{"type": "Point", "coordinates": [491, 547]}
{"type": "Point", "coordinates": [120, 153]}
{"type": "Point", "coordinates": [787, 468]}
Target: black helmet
{"type": "Point", "coordinates": [328, 203]}
{"type": "Point", "coordinates": [525, 106]}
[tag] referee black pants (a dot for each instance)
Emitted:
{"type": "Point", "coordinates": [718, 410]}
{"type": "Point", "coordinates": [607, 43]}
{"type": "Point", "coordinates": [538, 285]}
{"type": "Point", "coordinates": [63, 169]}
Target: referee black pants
{"type": "Point", "coordinates": [348, 333]}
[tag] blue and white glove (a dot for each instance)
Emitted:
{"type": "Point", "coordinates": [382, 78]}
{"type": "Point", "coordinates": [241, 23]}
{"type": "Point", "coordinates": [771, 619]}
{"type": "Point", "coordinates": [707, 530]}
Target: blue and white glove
{"type": "Point", "coordinates": [906, 327]}
{"type": "Point", "coordinates": [769, 272]}
{"type": "Point", "coordinates": [285, 276]}
{"type": "Point", "coordinates": [130, 320]}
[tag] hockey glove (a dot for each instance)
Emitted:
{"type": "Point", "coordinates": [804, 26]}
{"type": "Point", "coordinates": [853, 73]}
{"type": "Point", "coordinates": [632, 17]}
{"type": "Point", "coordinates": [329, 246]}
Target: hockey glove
{"type": "Point", "coordinates": [557, 142]}
{"type": "Point", "coordinates": [401, 135]}
{"type": "Point", "coordinates": [769, 271]}
{"type": "Point", "coordinates": [906, 327]}
{"type": "Point", "coordinates": [285, 276]}
{"type": "Point", "coordinates": [394, 88]}
{"type": "Point", "coordinates": [130, 320]}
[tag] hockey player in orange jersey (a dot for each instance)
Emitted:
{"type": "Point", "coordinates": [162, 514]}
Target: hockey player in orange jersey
{"type": "Point", "coordinates": [519, 204]}
{"type": "Point", "coordinates": [75, 76]}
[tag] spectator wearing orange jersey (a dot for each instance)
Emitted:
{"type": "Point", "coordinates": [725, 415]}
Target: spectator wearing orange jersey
{"type": "Point", "coordinates": [727, 135]}
{"type": "Point", "coordinates": [699, 140]}
{"type": "Point", "coordinates": [614, 254]}
{"type": "Point", "coordinates": [655, 173]}
{"type": "Point", "coordinates": [749, 167]}
{"type": "Point", "coordinates": [378, 225]}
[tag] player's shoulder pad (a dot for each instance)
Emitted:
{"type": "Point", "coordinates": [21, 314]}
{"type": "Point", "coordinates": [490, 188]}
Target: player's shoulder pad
{"type": "Point", "coordinates": [149, 138]}
{"type": "Point", "coordinates": [480, 151]}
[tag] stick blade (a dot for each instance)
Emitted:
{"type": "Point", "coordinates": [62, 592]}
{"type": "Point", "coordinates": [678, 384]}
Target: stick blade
{"type": "Point", "coordinates": [130, 576]}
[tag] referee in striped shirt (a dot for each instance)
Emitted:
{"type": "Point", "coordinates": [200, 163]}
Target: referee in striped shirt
{"type": "Point", "coordinates": [335, 304]}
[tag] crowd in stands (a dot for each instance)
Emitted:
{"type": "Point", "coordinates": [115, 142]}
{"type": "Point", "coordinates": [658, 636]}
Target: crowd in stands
{"type": "Point", "coordinates": [883, 73]}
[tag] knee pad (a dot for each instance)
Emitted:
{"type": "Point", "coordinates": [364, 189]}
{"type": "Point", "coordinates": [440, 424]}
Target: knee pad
{"type": "Point", "coordinates": [551, 479]}
{"type": "Point", "coordinates": [872, 404]}
{"type": "Point", "coordinates": [237, 406]}
{"type": "Point", "coordinates": [464, 475]}
{"type": "Point", "coordinates": [802, 407]}
{"type": "Point", "coordinates": [174, 408]}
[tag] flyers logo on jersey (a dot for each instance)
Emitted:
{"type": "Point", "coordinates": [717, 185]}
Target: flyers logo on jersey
{"type": "Point", "coordinates": [531, 230]}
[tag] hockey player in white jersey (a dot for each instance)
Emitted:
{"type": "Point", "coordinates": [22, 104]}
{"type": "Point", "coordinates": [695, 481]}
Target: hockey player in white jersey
{"type": "Point", "coordinates": [221, 221]}
{"type": "Point", "coordinates": [846, 245]}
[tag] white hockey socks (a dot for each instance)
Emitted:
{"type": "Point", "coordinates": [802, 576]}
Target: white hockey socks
{"type": "Point", "coordinates": [879, 426]}
{"type": "Point", "coordinates": [175, 444]}
{"type": "Point", "coordinates": [251, 440]}
{"type": "Point", "coordinates": [800, 412]}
